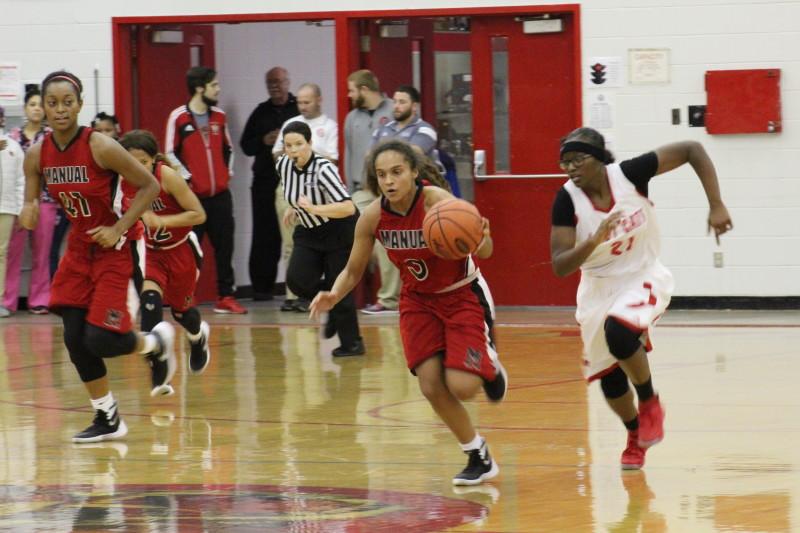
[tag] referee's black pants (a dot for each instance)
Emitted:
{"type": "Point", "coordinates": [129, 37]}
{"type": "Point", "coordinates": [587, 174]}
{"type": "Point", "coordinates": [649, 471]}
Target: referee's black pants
{"type": "Point", "coordinates": [265, 250]}
{"type": "Point", "coordinates": [319, 255]}
{"type": "Point", "coordinates": [219, 225]}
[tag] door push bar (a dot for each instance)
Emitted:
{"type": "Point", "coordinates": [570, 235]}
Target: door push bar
{"type": "Point", "coordinates": [479, 167]}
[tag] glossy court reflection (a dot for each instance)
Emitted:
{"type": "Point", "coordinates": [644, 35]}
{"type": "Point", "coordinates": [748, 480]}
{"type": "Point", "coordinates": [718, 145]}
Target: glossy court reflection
{"type": "Point", "coordinates": [277, 436]}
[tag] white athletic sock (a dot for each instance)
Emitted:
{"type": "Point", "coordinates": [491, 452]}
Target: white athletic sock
{"type": "Point", "coordinates": [105, 404]}
{"type": "Point", "coordinates": [194, 338]}
{"type": "Point", "coordinates": [150, 343]}
{"type": "Point", "coordinates": [474, 444]}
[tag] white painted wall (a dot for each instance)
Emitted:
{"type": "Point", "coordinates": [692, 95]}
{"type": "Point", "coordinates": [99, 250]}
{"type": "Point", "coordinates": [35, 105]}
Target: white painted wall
{"type": "Point", "coordinates": [759, 174]}
{"type": "Point", "coordinates": [244, 52]}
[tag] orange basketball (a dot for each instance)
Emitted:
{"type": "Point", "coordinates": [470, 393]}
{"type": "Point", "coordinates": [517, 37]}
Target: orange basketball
{"type": "Point", "coordinates": [453, 229]}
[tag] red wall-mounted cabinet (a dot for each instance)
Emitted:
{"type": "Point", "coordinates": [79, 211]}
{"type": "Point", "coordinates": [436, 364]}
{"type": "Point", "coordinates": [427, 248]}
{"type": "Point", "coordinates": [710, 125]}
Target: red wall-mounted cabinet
{"type": "Point", "coordinates": [743, 101]}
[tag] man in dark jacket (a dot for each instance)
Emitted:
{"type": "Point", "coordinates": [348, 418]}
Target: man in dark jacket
{"type": "Point", "coordinates": [260, 134]}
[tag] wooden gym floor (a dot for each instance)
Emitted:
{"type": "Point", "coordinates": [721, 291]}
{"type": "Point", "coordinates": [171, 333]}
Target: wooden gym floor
{"type": "Point", "coordinates": [278, 436]}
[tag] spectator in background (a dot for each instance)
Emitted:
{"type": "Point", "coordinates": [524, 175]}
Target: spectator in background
{"type": "Point", "coordinates": [258, 139]}
{"type": "Point", "coordinates": [12, 192]}
{"type": "Point", "coordinates": [371, 111]}
{"type": "Point", "coordinates": [324, 143]}
{"type": "Point", "coordinates": [198, 145]}
{"type": "Point", "coordinates": [407, 124]}
{"type": "Point", "coordinates": [42, 237]}
{"type": "Point", "coordinates": [107, 125]}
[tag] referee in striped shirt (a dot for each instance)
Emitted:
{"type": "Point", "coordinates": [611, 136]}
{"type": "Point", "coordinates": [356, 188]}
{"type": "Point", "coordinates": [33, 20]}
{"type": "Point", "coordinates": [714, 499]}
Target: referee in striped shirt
{"type": "Point", "coordinates": [324, 236]}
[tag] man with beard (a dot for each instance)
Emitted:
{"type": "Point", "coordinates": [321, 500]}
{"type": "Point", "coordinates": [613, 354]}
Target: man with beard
{"type": "Point", "coordinates": [371, 111]}
{"type": "Point", "coordinates": [199, 146]}
{"type": "Point", "coordinates": [407, 124]}
{"type": "Point", "coordinates": [261, 134]}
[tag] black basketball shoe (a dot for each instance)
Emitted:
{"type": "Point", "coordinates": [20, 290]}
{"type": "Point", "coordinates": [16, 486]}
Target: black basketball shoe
{"type": "Point", "coordinates": [162, 360]}
{"type": "Point", "coordinates": [106, 426]}
{"type": "Point", "coordinates": [480, 467]}
{"type": "Point", "coordinates": [199, 354]}
{"type": "Point", "coordinates": [496, 390]}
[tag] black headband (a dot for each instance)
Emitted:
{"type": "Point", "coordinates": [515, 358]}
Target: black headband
{"type": "Point", "coordinates": [584, 148]}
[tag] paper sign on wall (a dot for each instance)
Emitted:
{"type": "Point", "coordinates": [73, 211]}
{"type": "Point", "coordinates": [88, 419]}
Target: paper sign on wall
{"type": "Point", "coordinates": [10, 82]}
{"type": "Point", "coordinates": [648, 65]}
{"type": "Point", "coordinates": [601, 111]}
{"type": "Point", "coordinates": [603, 72]}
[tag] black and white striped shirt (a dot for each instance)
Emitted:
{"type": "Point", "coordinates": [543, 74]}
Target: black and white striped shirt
{"type": "Point", "coordinates": [318, 181]}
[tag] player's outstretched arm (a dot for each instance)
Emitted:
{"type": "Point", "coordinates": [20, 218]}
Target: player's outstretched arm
{"type": "Point", "coordinates": [673, 155]}
{"type": "Point", "coordinates": [359, 259]}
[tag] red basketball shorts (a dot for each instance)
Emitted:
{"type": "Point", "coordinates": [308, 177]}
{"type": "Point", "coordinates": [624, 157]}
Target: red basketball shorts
{"type": "Point", "coordinates": [96, 279]}
{"type": "Point", "coordinates": [175, 270]}
{"type": "Point", "coordinates": [457, 324]}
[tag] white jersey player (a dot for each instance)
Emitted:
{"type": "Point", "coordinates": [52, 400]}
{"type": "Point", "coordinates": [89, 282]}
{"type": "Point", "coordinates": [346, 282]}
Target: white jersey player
{"type": "Point", "coordinates": [605, 224]}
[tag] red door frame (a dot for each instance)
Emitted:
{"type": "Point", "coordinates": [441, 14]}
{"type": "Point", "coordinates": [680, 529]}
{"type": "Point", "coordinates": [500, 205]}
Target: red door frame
{"type": "Point", "coordinates": [346, 36]}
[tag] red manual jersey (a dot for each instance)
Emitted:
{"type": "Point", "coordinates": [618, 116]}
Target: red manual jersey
{"type": "Point", "coordinates": [164, 205]}
{"type": "Point", "coordinates": [420, 269]}
{"type": "Point", "coordinates": [88, 193]}
{"type": "Point", "coordinates": [136, 231]}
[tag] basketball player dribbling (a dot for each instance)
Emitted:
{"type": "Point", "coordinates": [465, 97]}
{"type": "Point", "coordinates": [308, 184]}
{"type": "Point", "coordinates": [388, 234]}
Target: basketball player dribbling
{"type": "Point", "coordinates": [446, 310]}
{"type": "Point", "coordinates": [604, 224]}
{"type": "Point", "coordinates": [89, 291]}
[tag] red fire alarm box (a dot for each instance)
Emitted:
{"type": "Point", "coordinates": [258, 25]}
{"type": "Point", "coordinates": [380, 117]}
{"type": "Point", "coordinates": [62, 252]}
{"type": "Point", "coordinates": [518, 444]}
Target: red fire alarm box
{"type": "Point", "coordinates": [743, 101]}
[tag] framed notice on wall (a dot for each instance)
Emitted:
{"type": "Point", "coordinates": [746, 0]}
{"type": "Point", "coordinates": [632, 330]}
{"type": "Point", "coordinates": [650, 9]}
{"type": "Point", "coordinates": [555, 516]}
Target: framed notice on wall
{"type": "Point", "coordinates": [10, 82]}
{"type": "Point", "coordinates": [648, 66]}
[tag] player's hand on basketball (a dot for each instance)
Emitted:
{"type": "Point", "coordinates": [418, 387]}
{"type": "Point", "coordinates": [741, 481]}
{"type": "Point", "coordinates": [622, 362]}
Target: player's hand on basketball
{"type": "Point", "coordinates": [487, 235]}
{"type": "Point", "coordinates": [606, 228]}
{"type": "Point", "coordinates": [29, 216]}
{"type": "Point", "coordinates": [322, 302]}
{"type": "Point", "coordinates": [719, 220]}
{"type": "Point", "coordinates": [105, 236]}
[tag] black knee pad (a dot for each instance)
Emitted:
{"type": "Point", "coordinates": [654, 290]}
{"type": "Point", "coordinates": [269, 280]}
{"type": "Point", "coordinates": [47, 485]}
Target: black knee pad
{"type": "Point", "coordinates": [622, 341]}
{"type": "Point", "coordinates": [189, 319]}
{"type": "Point", "coordinates": [104, 343]}
{"type": "Point", "coordinates": [614, 384]}
{"type": "Point", "coordinates": [88, 366]}
{"type": "Point", "coordinates": [152, 309]}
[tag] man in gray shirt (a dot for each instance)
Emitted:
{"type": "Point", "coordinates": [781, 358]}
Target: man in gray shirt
{"type": "Point", "coordinates": [371, 111]}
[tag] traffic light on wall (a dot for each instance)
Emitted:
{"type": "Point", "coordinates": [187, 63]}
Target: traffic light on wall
{"type": "Point", "coordinates": [598, 74]}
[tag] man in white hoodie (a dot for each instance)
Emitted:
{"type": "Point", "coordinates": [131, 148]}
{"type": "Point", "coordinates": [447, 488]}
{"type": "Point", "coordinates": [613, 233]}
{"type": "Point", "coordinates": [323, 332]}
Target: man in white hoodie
{"type": "Point", "coordinates": [12, 192]}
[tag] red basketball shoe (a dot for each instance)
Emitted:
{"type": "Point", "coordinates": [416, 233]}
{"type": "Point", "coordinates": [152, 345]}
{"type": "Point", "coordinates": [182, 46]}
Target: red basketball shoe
{"type": "Point", "coordinates": [228, 304]}
{"type": "Point", "coordinates": [633, 454]}
{"type": "Point", "coordinates": [651, 422]}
